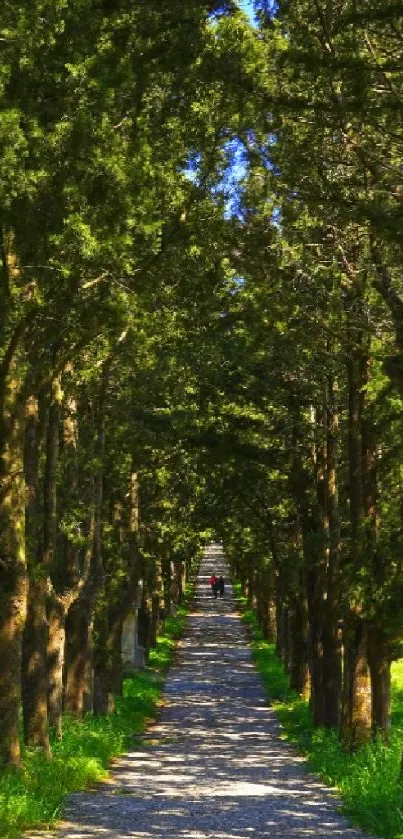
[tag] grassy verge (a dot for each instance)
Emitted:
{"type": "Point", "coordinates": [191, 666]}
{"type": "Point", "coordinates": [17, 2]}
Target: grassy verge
{"type": "Point", "coordinates": [369, 781]}
{"type": "Point", "coordinates": [34, 796]}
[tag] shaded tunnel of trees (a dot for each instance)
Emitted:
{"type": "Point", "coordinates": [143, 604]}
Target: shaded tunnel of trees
{"type": "Point", "coordinates": [201, 334]}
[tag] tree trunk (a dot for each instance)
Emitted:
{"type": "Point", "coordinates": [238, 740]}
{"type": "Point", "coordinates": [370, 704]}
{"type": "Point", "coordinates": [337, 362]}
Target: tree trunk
{"type": "Point", "coordinates": [308, 488]}
{"type": "Point", "coordinates": [279, 619]}
{"type": "Point", "coordinates": [78, 696]}
{"type": "Point", "coordinates": [59, 604]}
{"type": "Point", "coordinates": [177, 585]}
{"type": "Point", "coordinates": [357, 698]}
{"type": "Point", "coordinates": [315, 612]}
{"type": "Point", "coordinates": [332, 670]}
{"type": "Point", "coordinates": [50, 479]}
{"type": "Point", "coordinates": [316, 541]}
{"type": "Point", "coordinates": [250, 584]}
{"type": "Point", "coordinates": [380, 662]}
{"type": "Point", "coordinates": [104, 700]}
{"type": "Point", "coordinates": [379, 652]}
{"type": "Point", "coordinates": [108, 673]}
{"type": "Point", "coordinates": [286, 638]}
{"type": "Point", "coordinates": [332, 651]}
{"type": "Point", "coordinates": [80, 619]}
{"type": "Point", "coordinates": [299, 669]}
{"type": "Point", "coordinates": [261, 601]}
{"type": "Point", "coordinates": [169, 603]}
{"type": "Point", "coordinates": [265, 602]}
{"type": "Point", "coordinates": [13, 572]}
{"type": "Point", "coordinates": [55, 661]}
{"type": "Point", "coordinates": [34, 677]}
{"type": "Point", "coordinates": [361, 712]}
{"type": "Point", "coordinates": [35, 686]}
{"type": "Point", "coordinates": [144, 622]}
{"type": "Point", "coordinates": [157, 605]}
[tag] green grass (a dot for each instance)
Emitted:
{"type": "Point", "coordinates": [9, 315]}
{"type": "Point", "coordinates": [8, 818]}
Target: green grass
{"type": "Point", "coordinates": [368, 781]}
{"type": "Point", "coordinates": [34, 796]}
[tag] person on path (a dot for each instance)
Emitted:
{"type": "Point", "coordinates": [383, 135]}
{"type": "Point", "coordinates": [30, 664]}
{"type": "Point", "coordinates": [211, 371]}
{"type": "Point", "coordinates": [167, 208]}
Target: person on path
{"type": "Point", "coordinates": [213, 583]}
{"type": "Point", "coordinates": [220, 586]}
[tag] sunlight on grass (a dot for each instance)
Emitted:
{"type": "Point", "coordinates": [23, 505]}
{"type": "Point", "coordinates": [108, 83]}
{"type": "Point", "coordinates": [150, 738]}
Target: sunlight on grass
{"type": "Point", "coordinates": [34, 796]}
{"type": "Point", "coordinates": [368, 781]}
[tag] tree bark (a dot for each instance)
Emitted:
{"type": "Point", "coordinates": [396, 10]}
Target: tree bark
{"type": "Point", "coordinates": [169, 603]}
{"type": "Point", "coordinates": [332, 669]}
{"type": "Point", "coordinates": [286, 638]}
{"type": "Point", "coordinates": [34, 678]}
{"type": "Point", "coordinates": [55, 661]}
{"type": "Point", "coordinates": [104, 700]}
{"type": "Point", "coordinates": [144, 622]}
{"type": "Point", "coordinates": [315, 590]}
{"type": "Point", "coordinates": [157, 602]}
{"type": "Point", "coordinates": [261, 600]}
{"type": "Point", "coordinates": [59, 603]}
{"type": "Point", "coordinates": [250, 583]}
{"type": "Point", "coordinates": [299, 669]}
{"type": "Point", "coordinates": [108, 674]}
{"type": "Point", "coordinates": [357, 698]}
{"type": "Point", "coordinates": [108, 671]}
{"type": "Point", "coordinates": [35, 688]}
{"type": "Point", "coordinates": [35, 683]}
{"type": "Point", "coordinates": [178, 584]}
{"type": "Point", "coordinates": [380, 663]}
{"type": "Point", "coordinates": [78, 697]}
{"type": "Point", "coordinates": [279, 618]}
{"type": "Point", "coordinates": [13, 571]}
{"type": "Point", "coordinates": [332, 650]}
{"type": "Point", "coordinates": [80, 620]}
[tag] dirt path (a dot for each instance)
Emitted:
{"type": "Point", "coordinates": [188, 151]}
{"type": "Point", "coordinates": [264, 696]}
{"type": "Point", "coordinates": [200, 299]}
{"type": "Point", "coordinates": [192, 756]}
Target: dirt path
{"type": "Point", "coordinates": [214, 765]}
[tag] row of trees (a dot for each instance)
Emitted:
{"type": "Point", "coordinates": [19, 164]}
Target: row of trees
{"type": "Point", "coordinates": [114, 129]}
{"type": "Point", "coordinates": [317, 508]}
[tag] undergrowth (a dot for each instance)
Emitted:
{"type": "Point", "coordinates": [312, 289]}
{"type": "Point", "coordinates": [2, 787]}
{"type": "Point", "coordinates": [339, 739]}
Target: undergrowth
{"type": "Point", "coordinates": [368, 781]}
{"type": "Point", "coordinates": [34, 796]}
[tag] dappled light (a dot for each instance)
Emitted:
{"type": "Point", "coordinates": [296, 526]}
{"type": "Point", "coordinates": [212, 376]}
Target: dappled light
{"type": "Point", "coordinates": [214, 764]}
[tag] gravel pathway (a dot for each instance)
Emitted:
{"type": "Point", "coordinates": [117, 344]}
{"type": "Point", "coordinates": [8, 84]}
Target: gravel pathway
{"type": "Point", "coordinates": [213, 767]}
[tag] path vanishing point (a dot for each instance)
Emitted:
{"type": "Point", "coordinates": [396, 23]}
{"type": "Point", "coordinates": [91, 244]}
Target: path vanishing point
{"type": "Point", "coordinates": [214, 766]}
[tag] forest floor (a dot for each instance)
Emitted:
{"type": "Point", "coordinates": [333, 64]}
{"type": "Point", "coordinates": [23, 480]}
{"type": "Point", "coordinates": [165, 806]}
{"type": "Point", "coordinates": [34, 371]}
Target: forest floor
{"type": "Point", "coordinates": [214, 766]}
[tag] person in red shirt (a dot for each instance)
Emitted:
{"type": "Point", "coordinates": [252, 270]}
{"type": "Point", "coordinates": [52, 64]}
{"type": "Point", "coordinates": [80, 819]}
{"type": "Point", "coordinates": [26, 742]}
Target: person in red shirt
{"type": "Point", "coordinates": [214, 584]}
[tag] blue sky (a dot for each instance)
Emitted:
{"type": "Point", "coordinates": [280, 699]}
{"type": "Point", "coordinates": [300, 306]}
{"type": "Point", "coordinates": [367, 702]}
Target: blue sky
{"type": "Point", "coordinates": [247, 6]}
{"type": "Point", "coordinates": [237, 164]}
